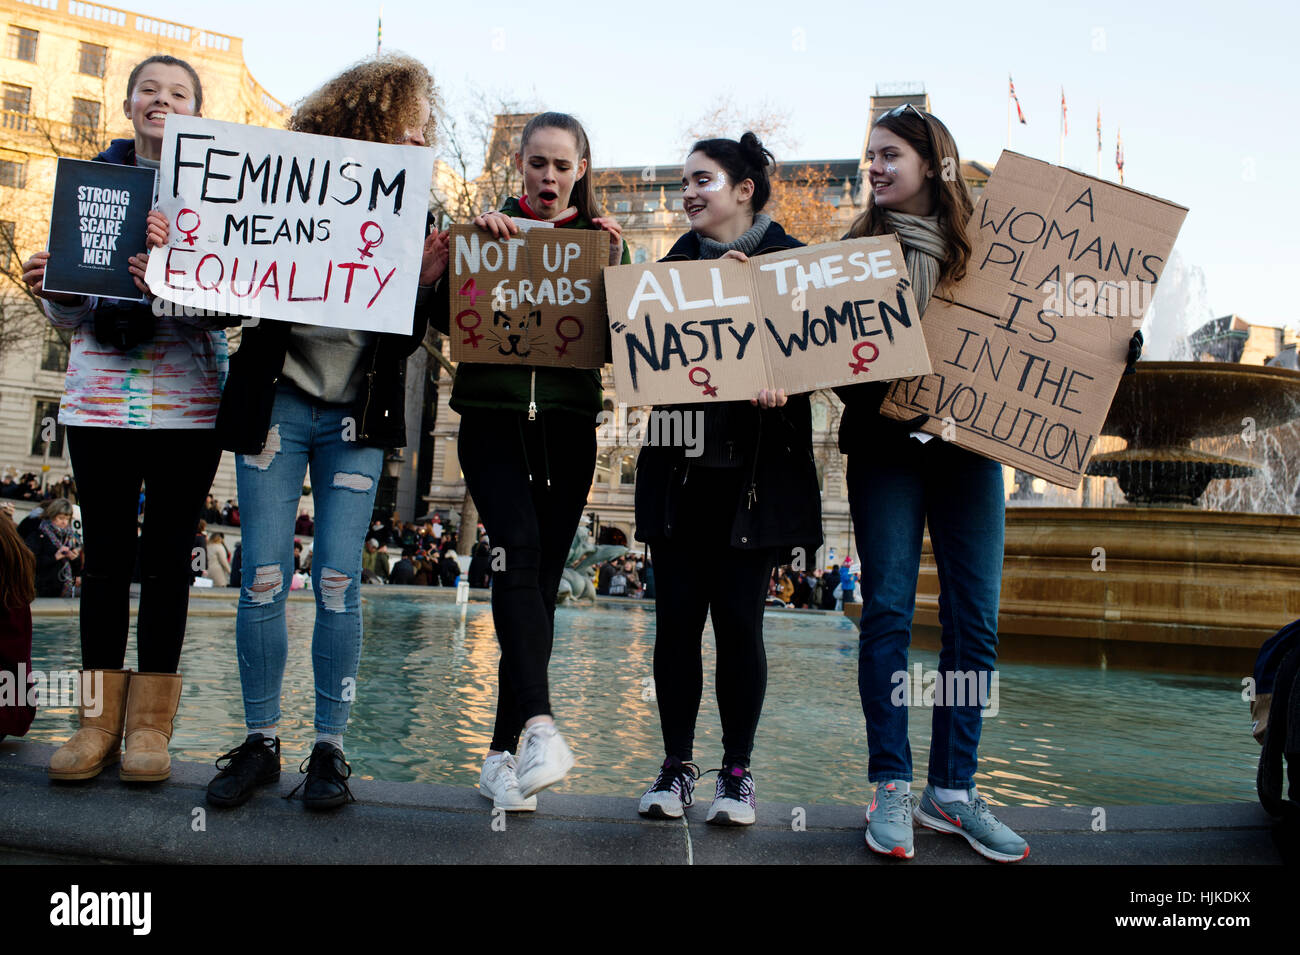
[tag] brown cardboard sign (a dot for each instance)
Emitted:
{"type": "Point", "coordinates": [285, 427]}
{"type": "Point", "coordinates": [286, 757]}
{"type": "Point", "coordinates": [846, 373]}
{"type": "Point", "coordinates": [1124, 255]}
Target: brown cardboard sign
{"type": "Point", "coordinates": [1029, 351]}
{"type": "Point", "coordinates": [800, 319]}
{"type": "Point", "coordinates": [531, 299]}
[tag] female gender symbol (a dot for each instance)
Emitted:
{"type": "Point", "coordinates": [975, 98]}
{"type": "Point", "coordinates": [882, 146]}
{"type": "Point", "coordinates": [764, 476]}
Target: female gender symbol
{"type": "Point", "coordinates": [370, 243]}
{"type": "Point", "coordinates": [861, 364]}
{"type": "Point", "coordinates": [704, 385]}
{"type": "Point", "coordinates": [474, 338]}
{"type": "Point", "coordinates": [559, 330]}
{"type": "Point", "coordinates": [189, 233]}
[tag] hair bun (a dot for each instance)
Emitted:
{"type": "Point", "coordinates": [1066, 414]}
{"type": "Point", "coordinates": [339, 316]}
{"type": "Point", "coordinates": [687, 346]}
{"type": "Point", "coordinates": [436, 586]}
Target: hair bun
{"type": "Point", "coordinates": [753, 149]}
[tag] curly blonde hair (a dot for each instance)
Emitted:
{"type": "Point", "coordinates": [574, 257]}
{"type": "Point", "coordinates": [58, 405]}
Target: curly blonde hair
{"type": "Point", "coordinates": [376, 100]}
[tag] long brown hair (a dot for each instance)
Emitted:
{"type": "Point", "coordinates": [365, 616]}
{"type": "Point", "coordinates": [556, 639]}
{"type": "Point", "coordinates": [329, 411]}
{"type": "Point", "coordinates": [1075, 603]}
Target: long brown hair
{"type": "Point", "coordinates": [583, 196]}
{"type": "Point", "coordinates": [951, 197]}
{"type": "Point", "coordinates": [17, 567]}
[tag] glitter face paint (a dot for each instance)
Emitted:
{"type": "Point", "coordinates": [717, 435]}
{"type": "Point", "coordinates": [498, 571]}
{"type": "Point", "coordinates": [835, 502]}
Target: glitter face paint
{"type": "Point", "coordinates": [717, 183]}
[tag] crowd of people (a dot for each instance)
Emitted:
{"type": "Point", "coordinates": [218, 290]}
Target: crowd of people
{"type": "Point", "coordinates": [631, 576]}
{"type": "Point", "coordinates": [829, 590]}
{"type": "Point", "coordinates": [725, 528]}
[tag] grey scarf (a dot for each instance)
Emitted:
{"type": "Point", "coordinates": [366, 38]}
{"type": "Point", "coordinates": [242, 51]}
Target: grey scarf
{"type": "Point", "coordinates": [747, 243]}
{"type": "Point", "coordinates": [924, 248]}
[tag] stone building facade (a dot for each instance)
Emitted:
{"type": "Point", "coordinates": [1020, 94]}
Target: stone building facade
{"type": "Point", "coordinates": [63, 73]}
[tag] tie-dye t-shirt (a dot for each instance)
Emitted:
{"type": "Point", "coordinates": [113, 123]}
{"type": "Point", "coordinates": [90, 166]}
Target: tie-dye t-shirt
{"type": "Point", "coordinates": [174, 380]}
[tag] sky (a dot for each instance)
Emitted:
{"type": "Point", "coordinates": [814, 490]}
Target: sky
{"type": "Point", "coordinates": [1203, 94]}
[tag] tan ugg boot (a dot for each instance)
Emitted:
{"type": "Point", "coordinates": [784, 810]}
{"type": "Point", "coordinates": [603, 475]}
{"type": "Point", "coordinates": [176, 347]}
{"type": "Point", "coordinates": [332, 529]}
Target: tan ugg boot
{"type": "Point", "coordinates": [98, 741]}
{"type": "Point", "coordinates": [150, 709]}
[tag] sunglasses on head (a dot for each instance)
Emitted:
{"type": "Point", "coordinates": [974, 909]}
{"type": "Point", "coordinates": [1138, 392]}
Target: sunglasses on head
{"type": "Point", "coordinates": [900, 110]}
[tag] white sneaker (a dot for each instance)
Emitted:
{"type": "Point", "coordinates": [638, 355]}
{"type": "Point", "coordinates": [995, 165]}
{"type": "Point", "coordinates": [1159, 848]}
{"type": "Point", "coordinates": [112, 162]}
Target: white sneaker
{"type": "Point", "coordinates": [733, 799]}
{"type": "Point", "coordinates": [499, 783]}
{"type": "Point", "coordinates": [671, 792]}
{"type": "Point", "coordinates": [544, 758]}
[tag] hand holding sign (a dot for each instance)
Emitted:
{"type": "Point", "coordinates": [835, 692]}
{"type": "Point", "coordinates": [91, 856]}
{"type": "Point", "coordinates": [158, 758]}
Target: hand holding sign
{"type": "Point", "coordinates": [1029, 351]}
{"type": "Point", "coordinates": [527, 296]}
{"type": "Point", "coordinates": [294, 226]}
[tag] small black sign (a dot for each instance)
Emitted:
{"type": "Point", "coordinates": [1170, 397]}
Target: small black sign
{"type": "Point", "coordinates": [97, 222]}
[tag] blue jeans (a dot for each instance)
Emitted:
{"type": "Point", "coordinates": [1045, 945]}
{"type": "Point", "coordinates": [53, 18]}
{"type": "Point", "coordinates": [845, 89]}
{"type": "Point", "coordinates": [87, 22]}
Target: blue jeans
{"type": "Point", "coordinates": [892, 495]}
{"type": "Point", "coordinates": [344, 475]}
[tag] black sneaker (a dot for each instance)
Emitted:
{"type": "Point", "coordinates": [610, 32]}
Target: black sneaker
{"type": "Point", "coordinates": [326, 785]}
{"type": "Point", "coordinates": [252, 763]}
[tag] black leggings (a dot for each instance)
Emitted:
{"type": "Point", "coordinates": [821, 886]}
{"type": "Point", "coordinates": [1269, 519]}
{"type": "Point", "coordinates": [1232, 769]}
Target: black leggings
{"type": "Point", "coordinates": [696, 573]}
{"type": "Point", "coordinates": [529, 480]}
{"type": "Point", "coordinates": [109, 464]}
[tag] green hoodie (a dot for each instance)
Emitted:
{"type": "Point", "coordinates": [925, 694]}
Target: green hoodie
{"type": "Point", "coordinates": [511, 388]}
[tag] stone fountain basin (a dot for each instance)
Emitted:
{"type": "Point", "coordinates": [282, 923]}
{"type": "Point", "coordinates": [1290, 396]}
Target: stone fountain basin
{"type": "Point", "coordinates": [1168, 403]}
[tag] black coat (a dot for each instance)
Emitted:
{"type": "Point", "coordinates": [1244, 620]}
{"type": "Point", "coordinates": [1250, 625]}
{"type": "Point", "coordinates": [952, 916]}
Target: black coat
{"type": "Point", "coordinates": [780, 502]}
{"type": "Point", "coordinates": [380, 410]}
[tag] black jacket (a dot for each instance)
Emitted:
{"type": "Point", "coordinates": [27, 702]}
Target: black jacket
{"type": "Point", "coordinates": [780, 503]}
{"type": "Point", "coordinates": [380, 410]}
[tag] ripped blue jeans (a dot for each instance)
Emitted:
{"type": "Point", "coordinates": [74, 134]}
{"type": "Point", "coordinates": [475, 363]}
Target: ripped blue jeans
{"type": "Point", "coordinates": [344, 475]}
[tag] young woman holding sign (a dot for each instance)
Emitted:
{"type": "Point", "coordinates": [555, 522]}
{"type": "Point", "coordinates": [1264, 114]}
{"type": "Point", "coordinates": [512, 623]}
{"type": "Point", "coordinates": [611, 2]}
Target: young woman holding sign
{"type": "Point", "coordinates": [306, 396]}
{"type": "Point", "coordinates": [747, 500]}
{"type": "Point", "coordinates": [900, 480]}
{"type": "Point", "coordinates": [139, 406]}
{"type": "Point", "coordinates": [528, 451]}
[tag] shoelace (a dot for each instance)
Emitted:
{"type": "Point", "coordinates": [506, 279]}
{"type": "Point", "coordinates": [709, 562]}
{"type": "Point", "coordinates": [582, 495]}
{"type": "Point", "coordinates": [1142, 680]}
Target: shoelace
{"type": "Point", "coordinates": [329, 770]}
{"type": "Point", "coordinates": [740, 788]}
{"type": "Point", "coordinates": [506, 772]}
{"type": "Point", "coordinates": [246, 748]}
{"type": "Point", "coordinates": [984, 815]}
{"type": "Point", "coordinates": [896, 810]}
{"type": "Point", "coordinates": [674, 780]}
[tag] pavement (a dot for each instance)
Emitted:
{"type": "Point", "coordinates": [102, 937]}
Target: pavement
{"type": "Point", "coordinates": [106, 821]}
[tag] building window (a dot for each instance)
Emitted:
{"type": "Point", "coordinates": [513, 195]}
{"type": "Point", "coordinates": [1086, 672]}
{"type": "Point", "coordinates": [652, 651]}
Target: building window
{"type": "Point", "coordinates": [54, 356]}
{"type": "Point", "coordinates": [679, 204]}
{"type": "Point", "coordinates": [92, 59]}
{"type": "Point", "coordinates": [7, 244]}
{"type": "Point", "coordinates": [627, 471]}
{"type": "Point", "coordinates": [18, 99]}
{"type": "Point", "coordinates": [623, 205]}
{"type": "Point", "coordinates": [22, 44]}
{"type": "Point", "coordinates": [46, 423]}
{"type": "Point", "coordinates": [651, 206]}
{"type": "Point", "coordinates": [13, 174]}
{"type": "Point", "coordinates": [640, 256]}
{"type": "Point", "coordinates": [602, 468]}
{"type": "Point", "coordinates": [85, 118]}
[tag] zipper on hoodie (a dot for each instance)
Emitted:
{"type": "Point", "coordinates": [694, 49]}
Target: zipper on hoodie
{"type": "Point", "coordinates": [532, 396]}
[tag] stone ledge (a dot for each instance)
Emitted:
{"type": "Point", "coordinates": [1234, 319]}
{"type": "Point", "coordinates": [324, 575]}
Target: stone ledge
{"type": "Point", "coordinates": [105, 820]}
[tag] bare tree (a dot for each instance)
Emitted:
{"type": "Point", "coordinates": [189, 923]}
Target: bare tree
{"type": "Point", "coordinates": [25, 213]}
{"type": "Point", "coordinates": [476, 154]}
{"type": "Point", "coordinates": [725, 119]}
{"type": "Point", "coordinates": [799, 203]}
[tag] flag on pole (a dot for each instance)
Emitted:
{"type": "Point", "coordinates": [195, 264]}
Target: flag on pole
{"type": "Point", "coordinates": [1065, 124]}
{"type": "Point", "coordinates": [379, 35]}
{"type": "Point", "coordinates": [1119, 155]}
{"type": "Point", "coordinates": [1019, 111]}
{"type": "Point", "coordinates": [1098, 129]}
